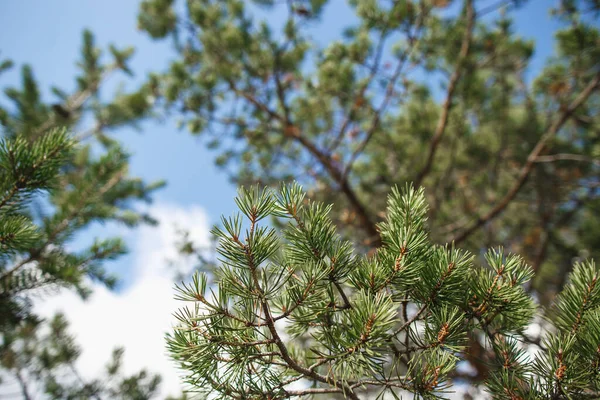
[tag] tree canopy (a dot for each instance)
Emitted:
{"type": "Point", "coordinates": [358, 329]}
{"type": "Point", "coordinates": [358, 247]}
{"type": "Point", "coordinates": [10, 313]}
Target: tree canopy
{"type": "Point", "coordinates": [440, 94]}
{"type": "Point", "coordinates": [332, 296]}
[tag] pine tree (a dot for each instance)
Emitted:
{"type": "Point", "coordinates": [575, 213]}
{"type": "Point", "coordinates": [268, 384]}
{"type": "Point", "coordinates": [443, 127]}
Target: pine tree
{"type": "Point", "coordinates": [443, 94]}
{"type": "Point", "coordinates": [439, 93]}
{"type": "Point", "coordinates": [53, 185]}
{"type": "Point", "coordinates": [298, 313]}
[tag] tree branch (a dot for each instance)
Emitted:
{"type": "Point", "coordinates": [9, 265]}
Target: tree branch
{"type": "Point", "coordinates": [456, 75]}
{"type": "Point", "coordinates": [292, 132]}
{"type": "Point", "coordinates": [412, 41]}
{"type": "Point", "coordinates": [531, 160]}
{"type": "Point", "coordinates": [309, 373]}
{"type": "Point", "coordinates": [567, 157]}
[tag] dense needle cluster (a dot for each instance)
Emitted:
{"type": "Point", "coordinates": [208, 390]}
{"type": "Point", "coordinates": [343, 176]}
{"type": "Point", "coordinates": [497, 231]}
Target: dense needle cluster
{"type": "Point", "coordinates": [296, 312]}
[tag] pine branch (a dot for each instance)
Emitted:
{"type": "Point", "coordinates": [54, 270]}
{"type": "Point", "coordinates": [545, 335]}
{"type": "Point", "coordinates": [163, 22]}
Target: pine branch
{"type": "Point", "coordinates": [292, 132]}
{"type": "Point", "coordinates": [357, 348]}
{"type": "Point", "coordinates": [454, 79]}
{"type": "Point", "coordinates": [76, 101]}
{"type": "Point", "coordinates": [62, 226]}
{"type": "Point", "coordinates": [567, 157]}
{"type": "Point", "coordinates": [23, 385]}
{"type": "Point", "coordinates": [389, 92]}
{"type": "Point", "coordinates": [278, 342]}
{"type": "Point", "coordinates": [531, 160]}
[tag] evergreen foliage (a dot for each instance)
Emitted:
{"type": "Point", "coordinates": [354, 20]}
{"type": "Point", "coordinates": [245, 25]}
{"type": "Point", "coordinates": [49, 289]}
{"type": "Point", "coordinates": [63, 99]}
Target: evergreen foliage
{"type": "Point", "coordinates": [298, 312]}
{"type": "Point", "coordinates": [352, 98]}
{"type": "Point", "coordinates": [25, 169]}
{"type": "Point", "coordinates": [54, 185]}
{"type": "Point", "coordinates": [322, 300]}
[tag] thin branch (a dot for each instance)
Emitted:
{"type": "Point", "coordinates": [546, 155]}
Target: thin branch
{"type": "Point", "coordinates": [456, 75]}
{"type": "Point", "coordinates": [306, 392]}
{"type": "Point", "coordinates": [567, 157]}
{"type": "Point", "coordinates": [388, 97]}
{"type": "Point", "coordinates": [292, 132]}
{"type": "Point", "coordinates": [82, 381]}
{"type": "Point", "coordinates": [347, 304]}
{"type": "Point", "coordinates": [531, 160]}
{"type": "Point", "coordinates": [23, 386]}
{"type": "Point", "coordinates": [362, 90]}
{"type": "Point", "coordinates": [309, 373]}
{"type": "Point", "coordinates": [410, 321]}
{"type": "Point", "coordinates": [493, 7]}
{"type": "Point", "coordinates": [76, 101]}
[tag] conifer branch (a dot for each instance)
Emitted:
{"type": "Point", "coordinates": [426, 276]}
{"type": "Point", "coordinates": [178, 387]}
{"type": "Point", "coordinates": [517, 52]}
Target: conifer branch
{"type": "Point", "coordinates": [62, 226]}
{"type": "Point", "coordinates": [531, 160]}
{"type": "Point", "coordinates": [389, 93]}
{"type": "Point", "coordinates": [448, 102]}
{"type": "Point", "coordinates": [76, 101]}
{"type": "Point", "coordinates": [457, 300]}
{"type": "Point", "coordinates": [291, 131]}
{"type": "Point", "coordinates": [566, 157]}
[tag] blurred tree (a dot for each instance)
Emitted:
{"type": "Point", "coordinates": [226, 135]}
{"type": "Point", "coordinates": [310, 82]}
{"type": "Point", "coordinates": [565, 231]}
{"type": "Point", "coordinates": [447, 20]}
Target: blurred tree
{"type": "Point", "coordinates": [54, 185]}
{"type": "Point", "coordinates": [45, 363]}
{"type": "Point", "coordinates": [438, 93]}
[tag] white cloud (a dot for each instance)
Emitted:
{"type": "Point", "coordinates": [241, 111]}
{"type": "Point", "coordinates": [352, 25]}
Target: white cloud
{"type": "Point", "coordinates": [138, 317]}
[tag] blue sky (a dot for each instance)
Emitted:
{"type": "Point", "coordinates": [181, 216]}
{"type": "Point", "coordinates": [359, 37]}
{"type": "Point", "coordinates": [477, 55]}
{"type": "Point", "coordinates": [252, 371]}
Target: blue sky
{"type": "Point", "coordinates": [47, 35]}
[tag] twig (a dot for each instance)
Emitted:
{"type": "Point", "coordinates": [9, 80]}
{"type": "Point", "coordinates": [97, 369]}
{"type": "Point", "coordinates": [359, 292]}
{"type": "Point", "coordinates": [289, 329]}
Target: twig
{"type": "Point", "coordinates": [566, 157]}
{"type": "Point", "coordinates": [76, 101]}
{"type": "Point", "coordinates": [388, 96]}
{"type": "Point", "coordinates": [309, 373]}
{"type": "Point", "coordinates": [292, 132]}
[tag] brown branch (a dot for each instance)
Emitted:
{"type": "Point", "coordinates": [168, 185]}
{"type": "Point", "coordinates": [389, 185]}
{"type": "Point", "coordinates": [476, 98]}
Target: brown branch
{"type": "Point", "coordinates": [306, 392]}
{"type": "Point", "coordinates": [347, 304]}
{"type": "Point", "coordinates": [388, 96]}
{"type": "Point", "coordinates": [396, 382]}
{"type": "Point", "coordinates": [456, 75]}
{"type": "Point", "coordinates": [345, 188]}
{"type": "Point", "coordinates": [567, 157]}
{"type": "Point", "coordinates": [361, 91]}
{"type": "Point", "coordinates": [291, 131]}
{"type": "Point", "coordinates": [531, 160]}
{"type": "Point", "coordinates": [285, 355]}
{"type": "Point", "coordinates": [410, 321]}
